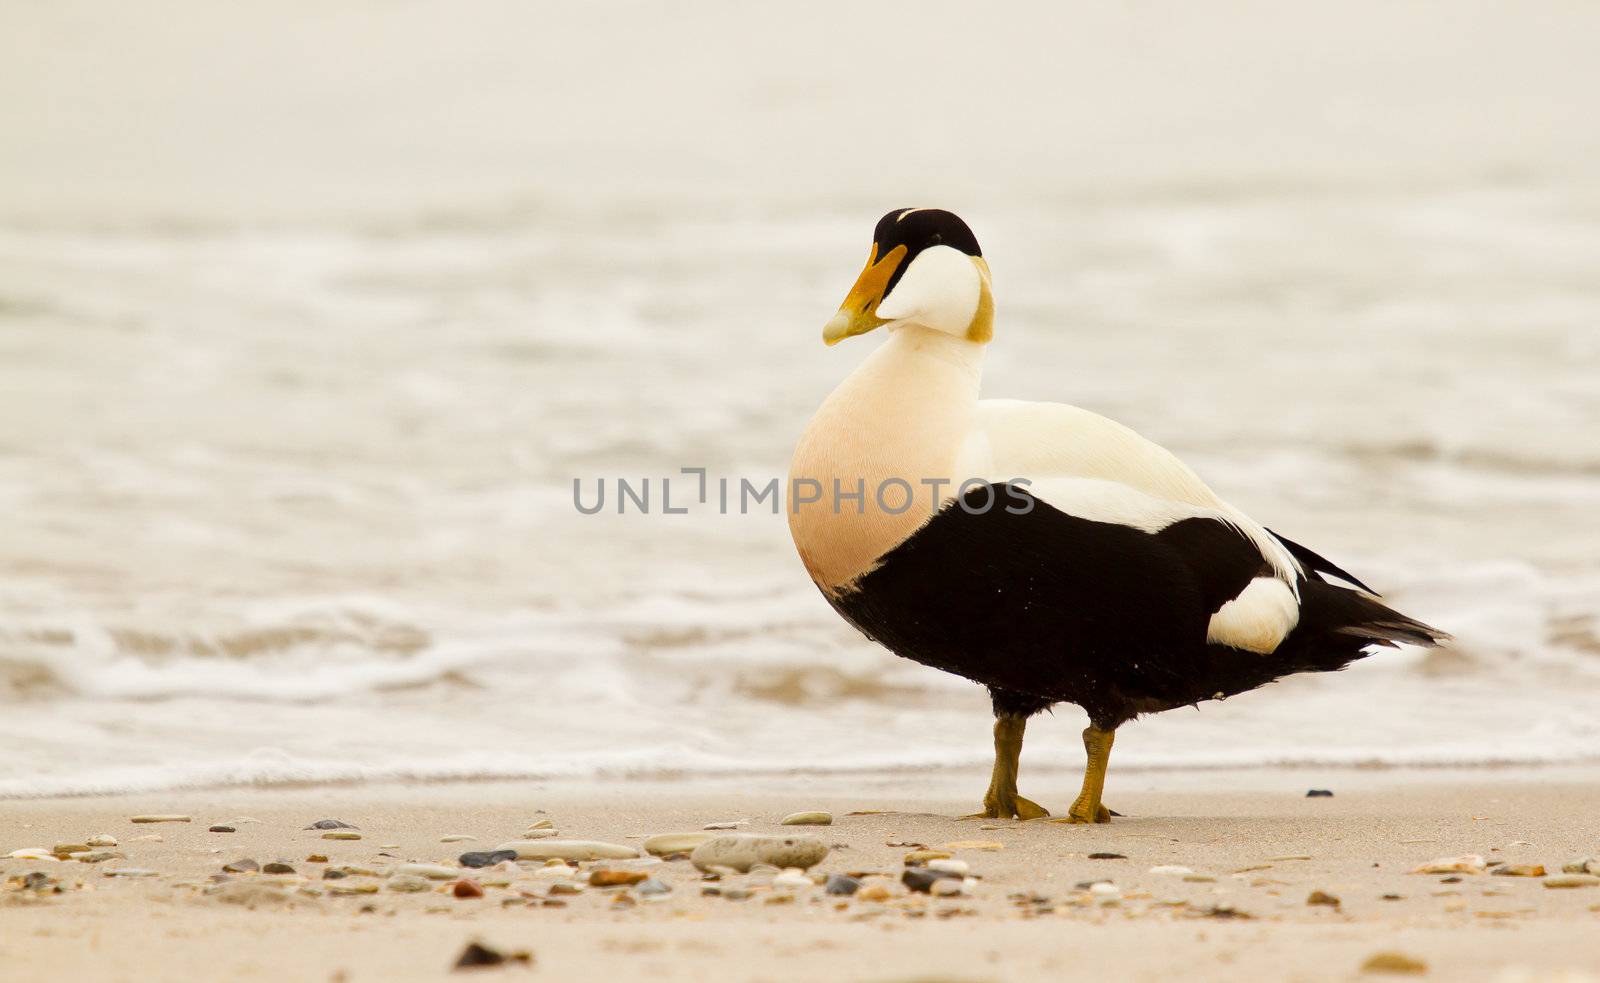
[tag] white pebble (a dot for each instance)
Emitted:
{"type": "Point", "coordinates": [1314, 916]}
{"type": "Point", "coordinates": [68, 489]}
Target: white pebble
{"type": "Point", "coordinates": [456, 838]}
{"type": "Point", "coordinates": [946, 887]}
{"type": "Point", "coordinates": [101, 839]}
{"type": "Point", "coordinates": [1172, 869]}
{"type": "Point", "coordinates": [792, 880]}
{"type": "Point", "coordinates": [1105, 893]}
{"type": "Point", "coordinates": [949, 866]}
{"type": "Point", "coordinates": [557, 871]}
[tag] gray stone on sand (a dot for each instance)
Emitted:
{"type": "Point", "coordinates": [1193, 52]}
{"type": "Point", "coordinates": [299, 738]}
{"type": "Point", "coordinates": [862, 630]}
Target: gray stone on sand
{"type": "Point", "coordinates": [433, 872]}
{"type": "Point", "coordinates": [408, 883]}
{"type": "Point", "coordinates": [741, 851]}
{"type": "Point", "coordinates": [568, 850]}
{"type": "Point", "coordinates": [808, 819]}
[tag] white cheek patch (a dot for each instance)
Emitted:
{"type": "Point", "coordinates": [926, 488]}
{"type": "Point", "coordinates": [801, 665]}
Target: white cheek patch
{"type": "Point", "coordinates": [1259, 619]}
{"type": "Point", "coordinates": [940, 290]}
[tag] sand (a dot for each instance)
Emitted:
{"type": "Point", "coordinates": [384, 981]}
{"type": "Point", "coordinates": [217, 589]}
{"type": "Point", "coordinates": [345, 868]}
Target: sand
{"type": "Point", "coordinates": [1238, 826]}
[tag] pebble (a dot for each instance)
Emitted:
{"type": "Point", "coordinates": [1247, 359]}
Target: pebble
{"type": "Point", "coordinates": [244, 866]}
{"type": "Point", "coordinates": [63, 849]}
{"type": "Point", "coordinates": [921, 879]}
{"type": "Point", "coordinates": [541, 824]}
{"type": "Point", "coordinates": [608, 877]}
{"type": "Point", "coordinates": [1319, 793]}
{"type": "Point", "coordinates": [466, 888]}
{"type": "Point", "coordinates": [32, 853]}
{"type": "Point", "coordinates": [333, 874]}
{"type": "Point", "coordinates": [566, 887]}
{"type": "Point", "coordinates": [341, 834]}
{"type": "Point", "coordinates": [651, 887]}
{"type": "Point", "coordinates": [1572, 880]}
{"type": "Point", "coordinates": [1322, 898]}
{"type": "Point", "coordinates": [407, 883]}
{"type": "Point", "coordinates": [486, 859]}
{"type": "Point", "coordinates": [949, 866]}
{"type": "Point", "coordinates": [948, 887]}
{"type": "Point", "coordinates": [737, 894]}
{"type": "Point", "coordinates": [277, 867]}
{"type": "Point", "coordinates": [222, 829]}
{"type": "Point", "coordinates": [842, 884]}
{"type": "Point", "coordinates": [540, 834]}
{"type": "Point", "coordinates": [556, 870]}
{"type": "Point", "coordinates": [874, 892]}
{"type": "Point", "coordinates": [1108, 856]}
{"type": "Point", "coordinates": [808, 819]}
{"type": "Point", "coordinates": [792, 880]}
{"type": "Point", "coordinates": [316, 858]}
{"type": "Point", "coordinates": [917, 858]}
{"type": "Point", "coordinates": [347, 889]}
{"type": "Point", "coordinates": [732, 825]}
{"type": "Point", "coordinates": [96, 856]}
{"type": "Point", "coordinates": [101, 839]}
{"type": "Point", "coordinates": [159, 818]}
{"type": "Point", "coordinates": [741, 851]}
{"type": "Point", "coordinates": [354, 870]}
{"type": "Point", "coordinates": [1393, 962]}
{"type": "Point", "coordinates": [331, 824]}
{"type": "Point", "coordinates": [1469, 864]}
{"type": "Point", "coordinates": [432, 872]}
{"type": "Point", "coordinates": [1171, 869]}
{"type": "Point", "coordinates": [666, 844]}
{"type": "Point", "coordinates": [130, 872]}
{"type": "Point", "coordinates": [1519, 870]}
{"type": "Point", "coordinates": [456, 838]}
{"type": "Point", "coordinates": [477, 955]}
{"type": "Point", "coordinates": [567, 850]}
{"type": "Point", "coordinates": [987, 845]}
{"type": "Point", "coordinates": [1105, 893]}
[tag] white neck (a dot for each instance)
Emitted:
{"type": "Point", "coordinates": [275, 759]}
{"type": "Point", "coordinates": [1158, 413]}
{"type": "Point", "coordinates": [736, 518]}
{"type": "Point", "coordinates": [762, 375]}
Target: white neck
{"type": "Point", "coordinates": [906, 413]}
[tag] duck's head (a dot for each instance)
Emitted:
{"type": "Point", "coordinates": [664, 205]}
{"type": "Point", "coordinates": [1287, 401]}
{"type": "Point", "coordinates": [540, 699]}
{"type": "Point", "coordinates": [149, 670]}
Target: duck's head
{"type": "Point", "coordinates": [925, 268]}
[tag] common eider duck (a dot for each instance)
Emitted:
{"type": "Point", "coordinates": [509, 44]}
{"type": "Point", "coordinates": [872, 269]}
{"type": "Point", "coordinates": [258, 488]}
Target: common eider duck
{"type": "Point", "coordinates": [1043, 551]}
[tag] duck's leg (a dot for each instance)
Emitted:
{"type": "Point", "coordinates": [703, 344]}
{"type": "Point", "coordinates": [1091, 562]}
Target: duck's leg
{"type": "Point", "coordinates": [1088, 808]}
{"type": "Point", "coordinates": [1001, 801]}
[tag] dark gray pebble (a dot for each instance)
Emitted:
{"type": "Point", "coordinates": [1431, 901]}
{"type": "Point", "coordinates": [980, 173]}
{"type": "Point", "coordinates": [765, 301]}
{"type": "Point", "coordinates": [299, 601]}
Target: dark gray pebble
{"type": "Point", "coordinates": [331, 824]}
{"type": "Point", "coordinates": [277, 867]}
{"type": "Point", "coordinates": [222, 829]}
{"type": "Point", "coordinates": [921, 878]}
{"type": "Point", "coordinates": [487, 858]}
{"type": "Point", "coordinates": [841, 884]}
{"type": "Point", "coordinates": [333, 875]}
{"type": "Point", "coordinates": [241, 866]}
{"type": "Point", "coordinates": [1319, 793]}
{"type": "Point", "coordinates": [1108, 856]}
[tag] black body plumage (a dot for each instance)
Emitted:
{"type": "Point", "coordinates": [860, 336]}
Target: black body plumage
{"type": "Point", "coordinates": [1045, 607]}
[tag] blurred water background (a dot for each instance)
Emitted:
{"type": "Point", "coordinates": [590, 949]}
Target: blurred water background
{"type": "Point", "coordinates": [311, 313]}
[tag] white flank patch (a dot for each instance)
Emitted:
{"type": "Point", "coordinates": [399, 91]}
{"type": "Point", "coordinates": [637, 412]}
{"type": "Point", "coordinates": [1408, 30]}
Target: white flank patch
{"type": "Point", "coordinates": [1259, 619]}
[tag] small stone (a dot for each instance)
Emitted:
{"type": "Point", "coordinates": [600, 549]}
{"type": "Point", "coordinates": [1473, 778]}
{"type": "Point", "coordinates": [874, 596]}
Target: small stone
{"type": "Point", "coordinates": [432, 872]}
{"type": "Point", "coordinates": [1198, 877]}
{"type": "Point", "coordinates": [920, 858]}
{"type": "Point", "coordinates": [316, 858]}
{"type": "Point", "coordinates": [348, 889]}
{"type": "Point", "coordinates": [244, 866]}
{"type": "Point", "coordinates": [666, 844]}
{"type": "Point", "coordinates": [1469, 864]}
{"type": "Point", "coordinates": [566, 887]}
{"type": "Point", "coordinates": [1519, 870]}
{"type": "Point", "coordinates": [1105, 893]}
{"type": "Point", "coordinates": [650, 887]}
{"type": "Point", "coordinates": [607, 877]}
{"type": "Point", "coordinates": [1322, 898]}
{"type": "Point", "coordinates": [277, 867]}
{"type": "Point", "coordinates": [874, 892]}
{"type": "Point", "coordinates": [486, 859]}
{"type": "Point", "coordinates": [737, 894]}
{"type": "Point", "coordinates": [333, 874]}
{"type": "Point", "coordinates": [97, 856]}
{"type": "Point", "coordinates": [131, 872]}
{"type": "Point", "coordinates": [567, 850]}
{"type": "Point", "coordinates": [950, 866]}
{"type": "Point", "coordinates": [65, 849]}
{"type": "Point", "coordinates": [1107, 856]}
{"type": "Point", "coordinates": [160, 818]}
{"type": "Point", "coordinates": [1319, 793]}
{"type": "Point", "coordinates": [1572, 880]}
{"type": "Point", "coordinates": [947, 887]}
{"type": "Point", "coordinates": [32, 853]}
{"type": "Point", "coordinates": [407, 883]}
{"type": "Point", "coordinates": [466, 888]}
{"type": "Point", "coordinates": [477, 955]}
{"type": "Point", "coordinates": [1171, 870]}
{"type": "Point", "coordinates": [221, 829]}
{"type": "Point", "coordinates": [456, 838]}
{"type": "Point", "coordinates": [841, 884]}
{"type": "Point", "coordinates": [808, 819]}
{"type": "Point", "coordinates": [558, 869]}
{"type": "Point", "coordinates": [541, 824]}
{"type": "Point", "coordinates": [792, 880]}
{"type": "Point", "coordinates": [741, 851]}
{"type": "Point", "coordinates": [921, 879]}
{"type": "Point", "coordinates": [341, 834]}
{"type": "Point", "coordinates": [1393, 962]}
{"type": "Point", "coordinates": [732, 825]}
{"type": "Point", "coordinates": [331, 824]}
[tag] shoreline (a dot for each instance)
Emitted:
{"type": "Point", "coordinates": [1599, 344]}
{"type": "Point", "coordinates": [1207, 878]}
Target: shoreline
{"type": "Point", "coordinates": [1242, 912]}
